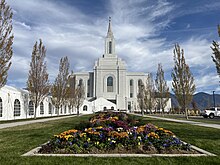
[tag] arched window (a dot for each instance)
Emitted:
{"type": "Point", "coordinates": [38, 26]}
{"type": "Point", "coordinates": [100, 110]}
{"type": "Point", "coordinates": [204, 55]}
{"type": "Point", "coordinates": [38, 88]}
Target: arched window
{"type": "Point", "coordinates": [131, 88]}
{"type": "Point", "coordinates": [85, 107]}
{"type": "Point", "coordinates": [17, 108]}
{"type": "Point", "coordinates": [1, 107]}
{"type": "Point", "coordinates": [109, 84]}
{"type": "Point", "coordinates": [41, 108]}
{"type": "Point", "coordinates": [50, 108]}
{"type": "Point", "coordinates": [31, 108]}
{"type": "Point", "coordinates": [80, 82]}
{"type": "Point", "coordinates": [112, 108]}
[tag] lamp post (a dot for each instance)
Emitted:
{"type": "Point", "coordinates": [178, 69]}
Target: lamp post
{"type": "Point", "coordinates": [213, 98]}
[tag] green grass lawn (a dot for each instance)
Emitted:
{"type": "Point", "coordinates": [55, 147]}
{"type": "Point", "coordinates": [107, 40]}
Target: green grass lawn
{"type": "Point", "coordinates": [216, 120]}
{"type": "Point", "coordinates": [28, 119]}
{"type": "Point", "coordinates": [18, 140]}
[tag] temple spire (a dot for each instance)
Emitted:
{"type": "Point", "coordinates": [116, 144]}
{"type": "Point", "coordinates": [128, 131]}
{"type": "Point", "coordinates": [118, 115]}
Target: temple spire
{"type": "Point", "coordinates": [109, 34]}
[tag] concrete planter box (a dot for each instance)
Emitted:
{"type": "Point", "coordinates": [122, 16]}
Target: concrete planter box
{"type": "Point", "coordinates": [34, 152]}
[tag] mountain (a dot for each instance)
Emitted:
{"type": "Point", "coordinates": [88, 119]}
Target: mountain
{"type": "Point", "coordinates": [202, 100]}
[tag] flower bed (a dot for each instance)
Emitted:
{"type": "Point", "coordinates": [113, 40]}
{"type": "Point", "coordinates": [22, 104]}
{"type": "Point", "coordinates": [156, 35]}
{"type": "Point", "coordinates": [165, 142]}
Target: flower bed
{"type": "Point", "coordinates": [113, 132]}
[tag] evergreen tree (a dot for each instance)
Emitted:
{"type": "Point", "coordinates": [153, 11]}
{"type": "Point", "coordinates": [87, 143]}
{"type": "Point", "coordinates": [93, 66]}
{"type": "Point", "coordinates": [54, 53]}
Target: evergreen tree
{"type": "Point", "coordinates": [161, 88]}
{"type": "Point", "coordinates": [38, 83]}
{"type": "Point", "coordinates": [183, 80]}
{"type": "Point", "coordinates": [6, 41]}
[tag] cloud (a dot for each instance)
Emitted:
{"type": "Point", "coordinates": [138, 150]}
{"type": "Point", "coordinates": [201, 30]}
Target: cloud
{"type": "Point", "coordinates": [137, 25]}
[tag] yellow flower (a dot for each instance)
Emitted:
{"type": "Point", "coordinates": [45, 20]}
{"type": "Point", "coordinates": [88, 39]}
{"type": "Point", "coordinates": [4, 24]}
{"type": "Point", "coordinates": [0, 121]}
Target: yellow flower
{"type": "Point", "coordinates": [160, 129]}
{"type": "Point", "coordinates": [99, 127]}
{"type": "Point", "coordinates": [82, 134]}
{"type": "Point", "coordinates": [88, 139]}
{"type": "Point", "coordinates": [97, 143]}
{"type": "Point", "coordinates": [139, 143]}
{"type": "Point", "coordinates": [115, 117]}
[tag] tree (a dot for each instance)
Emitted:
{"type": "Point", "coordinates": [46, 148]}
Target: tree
{"type": "Point", "coordinates": [161, 88]}
{"type": "Point", "coordinates": [183, 80]}
{"type": "Point", "coordinates": [140, 97]}
{"type": "Point", "coordinates": [71, 91]}
{"type": "Point", "coordinates": [79, 97]}
{"type": "Point", "coordinates": [149, 93]}
{"type": "Point", "coordinates": [59, 89]}
{"type": "Point", "coordinates": [216, 52]}
{"type": "Point", "coordinates": [6, 41]}
{"type": "Point", "coordinates": [146, 95]}
{"type": "Point", "coordinates": [38, 83]}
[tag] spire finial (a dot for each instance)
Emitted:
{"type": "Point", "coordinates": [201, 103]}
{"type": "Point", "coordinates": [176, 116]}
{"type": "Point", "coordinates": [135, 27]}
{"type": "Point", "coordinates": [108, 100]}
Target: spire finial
{"type": "Point", "coordinates": [110, 34]}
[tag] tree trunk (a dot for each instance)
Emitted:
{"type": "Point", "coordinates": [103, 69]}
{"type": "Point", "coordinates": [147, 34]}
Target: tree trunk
{"type": "Point", "coordinates": [35, 111]}
{"type": "Point", "coordinates": [186, 114]}
{"type": "Point", "coordinates": [142, 112]}
{"type": "Point", "coordinates": [77, 111]}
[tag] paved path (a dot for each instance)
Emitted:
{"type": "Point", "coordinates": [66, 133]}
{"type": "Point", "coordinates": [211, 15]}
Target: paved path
{"type": "Point", "coordinates": [186, 121]}
{"type": "Point", "coordinates": [13, 124]}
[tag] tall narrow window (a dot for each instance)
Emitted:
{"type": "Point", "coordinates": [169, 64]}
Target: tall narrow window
{"type": "Point", "coordinates": [140, 82]}
{"type": "Point", "coordinates": [65, 109]}
{"type": "Point", "coordinates": [50, 108]}
{"type": "Point", "coordinates": [1, 107]}
{"type": "Point", "coordinates": [88, 87]}
{"type": "Point", "coordinates": [41, 108]}
{"type": "Point", "coordinates": [131, 88]}
{"type": "Point", "coordinates": [17, 108]}
{"type": "Point", "coordinates": [109, 84]}
{"type": "Point", "coordinates": [31, 108]}
{"type": "Point", "coordinates": [110, 47]}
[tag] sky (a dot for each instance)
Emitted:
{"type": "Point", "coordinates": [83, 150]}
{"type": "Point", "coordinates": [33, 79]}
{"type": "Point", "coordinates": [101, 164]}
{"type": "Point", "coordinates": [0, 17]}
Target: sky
{"type": "Point", "coordinates": [145, 32]}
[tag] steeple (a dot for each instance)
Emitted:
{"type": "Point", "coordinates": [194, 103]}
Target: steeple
{"type": "Point", "coordinates": [109, 42]}
{"type": "Point", "coordinates": [109, 34]}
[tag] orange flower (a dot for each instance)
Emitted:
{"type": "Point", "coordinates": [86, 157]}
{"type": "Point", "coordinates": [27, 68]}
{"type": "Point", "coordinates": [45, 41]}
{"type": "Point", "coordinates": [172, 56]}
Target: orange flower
{"type": "Point", "coordinates": [153, 135]}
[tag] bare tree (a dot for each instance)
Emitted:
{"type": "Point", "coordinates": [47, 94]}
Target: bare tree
{"type": "Point", "coordinates": [183, 80]}
{"type": "Point", "coordinates": [38, 83]}
{"type": "Point", "coordinates": [149, 94]}
{"type": "Point", "coordinates": [140, 97]}
{"type": "Point", "coordinates": [59, 89]}
{"type": "Point", "coordinates": [79, 96]}
{"type": "Point", "coordinates": [161, 88]}
{"type": "Point", "coordinates": [6, 41]}
{"type": "Point", "coordinates": [71, 91]}
{"type": "Point", "coordinates": [216, 52]}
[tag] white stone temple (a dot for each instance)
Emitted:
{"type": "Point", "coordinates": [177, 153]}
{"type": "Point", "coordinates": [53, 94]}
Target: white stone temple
{"type": "Point", "coordinates": [110, 79]}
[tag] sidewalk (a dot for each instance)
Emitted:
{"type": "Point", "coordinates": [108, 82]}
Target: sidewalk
{"type": "Point", "coordinates": [14, 124]}
{"type": "Point", "coordinates": [186, 121]}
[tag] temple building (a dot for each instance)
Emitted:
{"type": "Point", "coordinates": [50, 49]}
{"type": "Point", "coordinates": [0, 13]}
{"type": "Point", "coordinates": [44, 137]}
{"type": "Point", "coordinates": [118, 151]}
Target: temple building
{"type": "Point", "coordinates": [111, 80]}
